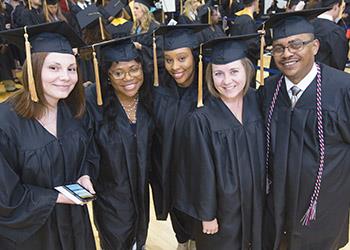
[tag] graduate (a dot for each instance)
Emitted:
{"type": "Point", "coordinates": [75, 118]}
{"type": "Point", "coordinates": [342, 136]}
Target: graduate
{"type": "Point", "coordinates": [33, 14]}
{"type": "Point", "coordinates": [307, 118]}
{"type": "Point", "coordinates": [119, 25]}
{"type": "Point", "coordinates": [123, 131]}
{"type": "Point", "coordinates": [144, 23]}
{"type": "Point", "coordinates": [173, 99]}
{"type": "Point", "coordinates": [43, 145]}
{"type": "Point", "coordinates": [334, 46]}
{"type": "Point", "coordinates": [245, 24]}
{"type": "Point", "coordinates": [211, 15]}
{"type": "Point", "coordinates": [220, 180]}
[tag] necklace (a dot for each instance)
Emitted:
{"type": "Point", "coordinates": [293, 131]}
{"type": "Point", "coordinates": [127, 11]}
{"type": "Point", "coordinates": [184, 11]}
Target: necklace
{"type": "Point", "coordinates": [130, 109]}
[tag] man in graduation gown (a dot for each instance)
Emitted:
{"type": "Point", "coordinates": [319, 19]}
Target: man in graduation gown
{"type": "Point", "coordinates": [334, 45]}
{"type": "Point", "coordinates": [307, 115]}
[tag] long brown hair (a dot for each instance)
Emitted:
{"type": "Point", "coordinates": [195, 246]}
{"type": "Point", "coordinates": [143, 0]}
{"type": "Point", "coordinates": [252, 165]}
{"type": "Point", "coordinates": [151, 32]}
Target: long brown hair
{"type": "Point", "coordinates": [248, 68]}
{"type": "Point", "coordinates": [26, 108]}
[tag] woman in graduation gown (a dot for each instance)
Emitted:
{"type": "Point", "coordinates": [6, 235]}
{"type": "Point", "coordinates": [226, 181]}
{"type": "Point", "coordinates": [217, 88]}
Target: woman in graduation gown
{"type": "Point", "coordinates": [123, 129]}
{"type": "Point", "coordinates": [220, 182]}
{"type": "Point", "coordinates": [173, 99]}
{"type": "Point", "coordinates": [43, 145]}
{"type": "Point", "coordinates": [144, 23]}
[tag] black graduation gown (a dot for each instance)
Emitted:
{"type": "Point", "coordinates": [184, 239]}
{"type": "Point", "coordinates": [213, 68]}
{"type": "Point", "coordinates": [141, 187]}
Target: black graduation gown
{"type": "Point", "coordinates": [32, 17]}
{"type": "Point", "coordinates": [32, 163]}
{"type": "Point", "coordinates": [169, 112]}
{"type": "Point", "coordinates": [221, 174]}
{"type": "Point", "coordinates": [120, 30]}
{"type": "Point", "coordinates": [334, 45]}
{"type": "Point", "coordinates": [121, 210]}
{"type": "Point", "coordinates": [243, 25]}
{"type": "Point", "coordinates": [147, 47]}
{"type": "Point", "coordinates": [295, 161]}
{"type": "Point", "coordinates": [210, 33]}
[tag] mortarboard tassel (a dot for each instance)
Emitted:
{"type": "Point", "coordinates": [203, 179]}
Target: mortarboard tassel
{"type": "Point", "coordinates": [155, 62]}
{"type": "Point", "coordinates": [31, 84]}
{"type": "Point", "coordinates": [181, 7]}
{"type": "Point", "coordinates": [46, 11]}
{"type": "Point", "coordinates": [262, 42]}
{"type": "Point", "coordinates": [103, 37]}
{"type": "Point", "coordinates": [200, 79]}
{"type": "Point", "coordinates": [209, 16]}
{"type": "Point", "coordinates": [97, 78]}
{"type": "Point", "coordinates": [30, 4]}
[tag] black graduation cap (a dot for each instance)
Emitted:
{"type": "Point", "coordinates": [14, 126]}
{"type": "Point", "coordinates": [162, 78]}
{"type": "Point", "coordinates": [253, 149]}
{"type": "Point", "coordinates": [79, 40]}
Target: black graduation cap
{"type": "Point", "coordinates": [147, 3]}
{"type": "Point", "coordinates": [88, 16]}
{"type": "Point", "coordinates": [48, 37]}
{"type": "Point", "coordinates": [204, 12]}
{"type": "Point", "coordinates": [114, 7]}
{"type": "Point", "coordinates": [247, 2]}
{"type": "Point", "coordinates": [117, 50]}
{"type": "Point", "coordinates": [292, 23]}
{"type": "Point", "coordinates": [51, 2]}
{"type": "Point", "coordinates": [328, 3]}
{"type": "Point", "coordinates": [227, 49]}
{"type": "Point", "coordinates": [180, 36]}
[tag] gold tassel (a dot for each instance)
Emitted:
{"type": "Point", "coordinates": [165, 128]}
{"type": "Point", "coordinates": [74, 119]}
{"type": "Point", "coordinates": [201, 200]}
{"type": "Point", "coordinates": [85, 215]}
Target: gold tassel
{"type": "Point", "coordinates": [31, 84]}
{"type": "Point", "coordinates": [181, 7]}
{"type": "Point", "coordinates": [103, 3]}
{"type": "Point", "coordinates": [46, 11]}
{"type": "Point", "coordinates": [200, 79]}
{"type": "Point", "coordinates": [97, 78]}
{"type": "Point", "coordinates": [30, 5]}
{"type": "Point", "coordinates": [262, 42]}
{"type": "Point", "coordinates": [103, 37]}
{"type": "Point", "coordinates": [209, 16]}
{"type": "Point", "coordinates": [155, 62]}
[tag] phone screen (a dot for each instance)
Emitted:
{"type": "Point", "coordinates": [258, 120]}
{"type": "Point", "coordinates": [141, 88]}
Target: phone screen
{"type": "Point", "coordinates": [80, 191]}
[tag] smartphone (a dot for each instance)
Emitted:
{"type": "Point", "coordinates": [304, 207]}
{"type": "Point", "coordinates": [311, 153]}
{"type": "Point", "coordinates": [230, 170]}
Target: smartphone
{"type": "Point", "coordinates": [76, 193]}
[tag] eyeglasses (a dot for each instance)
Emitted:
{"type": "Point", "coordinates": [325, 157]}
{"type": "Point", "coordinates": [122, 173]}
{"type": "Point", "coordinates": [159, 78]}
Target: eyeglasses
{"type": "Point", "coordinates": [133, 72]}
{"type": "Point", "coordinates": [293, 46]}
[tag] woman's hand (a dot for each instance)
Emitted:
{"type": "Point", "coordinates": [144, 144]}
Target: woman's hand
{"type": "Point", "coordinates": [138, 45]}
{"type": "Point", "coordinates": [210, 227]}
{"type": "Point", "coordinates": [86, 183]}
{"type": "Point", "coordinates": [62, 199]}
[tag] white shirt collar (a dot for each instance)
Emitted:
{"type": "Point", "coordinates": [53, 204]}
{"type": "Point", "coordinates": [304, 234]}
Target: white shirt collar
{"type": "Point", "coordinates": [326, 16]}
{"type": "Point", "coordinates": [304, 83]}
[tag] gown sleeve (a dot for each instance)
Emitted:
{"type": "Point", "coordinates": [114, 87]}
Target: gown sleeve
{"type": "Point", "coordinates": [23, 208]}
{"type": "Point", "coordinates": [196, 178]}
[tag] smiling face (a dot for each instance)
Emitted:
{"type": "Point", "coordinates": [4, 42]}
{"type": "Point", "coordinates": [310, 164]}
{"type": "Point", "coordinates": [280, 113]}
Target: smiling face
{"type": "Point", "coordinates": [180, 65]}
{"type": "Point", "coordinates": [229, 79]}
{"type": "Point", "coordinates": [59, 76]}
{"type": "Point", "coordinates": [126, 78]}
{"type": "Point", "coordinates": [298, 64]}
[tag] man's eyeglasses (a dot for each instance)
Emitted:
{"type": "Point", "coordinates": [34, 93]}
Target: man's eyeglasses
{"type": "Point", "coordinates": [293, 46]}
{"type": "Point", "coordinates": [120, 75]}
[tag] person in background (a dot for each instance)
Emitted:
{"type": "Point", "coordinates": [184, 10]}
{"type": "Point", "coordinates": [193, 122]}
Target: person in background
{"type": "Point", "coordinates": [334, 46]}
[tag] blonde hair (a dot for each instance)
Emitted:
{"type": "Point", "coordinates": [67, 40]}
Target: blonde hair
{"type": "Point", "coordinates": [146, 21]}
{"type": "Point", "coordinates": [49, 17]}
{"type": "Point", "coordinates": [189, 8]}
{"type": "Point", "coordinates": [249, 71]}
